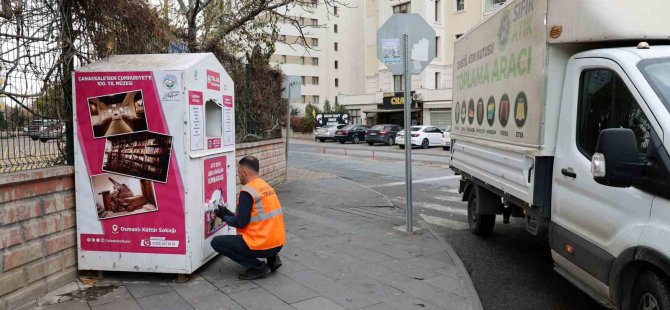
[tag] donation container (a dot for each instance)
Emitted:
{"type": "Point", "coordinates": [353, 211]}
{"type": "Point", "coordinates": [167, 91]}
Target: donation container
{"type": "Point", "coordinates": [154, 156]}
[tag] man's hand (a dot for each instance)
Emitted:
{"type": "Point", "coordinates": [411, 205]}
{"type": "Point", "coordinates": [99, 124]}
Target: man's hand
{"type": "Point", "coordinates": [222, 211]}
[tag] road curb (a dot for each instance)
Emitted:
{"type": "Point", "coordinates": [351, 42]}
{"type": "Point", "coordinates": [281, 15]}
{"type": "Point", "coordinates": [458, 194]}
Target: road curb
{"type": "Point", "coordinates": [468, 286]}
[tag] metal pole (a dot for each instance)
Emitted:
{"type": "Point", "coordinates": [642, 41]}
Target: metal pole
{"type": "Point", "coordinates": [288, 120]}
{"type": "Point", "coordinates": [408, 137]}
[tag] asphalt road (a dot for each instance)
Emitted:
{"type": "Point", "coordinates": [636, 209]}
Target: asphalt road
{"type": "Point", "coordinates": [510, 270]}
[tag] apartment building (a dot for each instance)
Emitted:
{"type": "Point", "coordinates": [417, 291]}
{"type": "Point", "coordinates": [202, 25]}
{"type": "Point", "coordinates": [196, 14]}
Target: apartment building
{"type": "Point", "coordinates": [432, 89]}
{"type": "Point", "coordinates": [326, 59]}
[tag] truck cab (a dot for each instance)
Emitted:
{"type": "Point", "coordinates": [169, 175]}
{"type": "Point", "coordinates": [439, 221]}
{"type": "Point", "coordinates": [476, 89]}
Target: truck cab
{"type": "Point", "coordinates": [610, 219]}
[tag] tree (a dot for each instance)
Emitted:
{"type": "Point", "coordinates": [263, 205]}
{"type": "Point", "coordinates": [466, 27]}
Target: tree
{"type": "Point", "coordinates": [241, 24]}
{"type": "Point", "coordinates": [3, 121]}
{"type": "Point", "coordinates": [295, 111]}
{"type": "Point", "coordinates": [326, 107]}
{"type": "Point", "coordinates": [310, 114]}
{"type": "Point", "coordinates": [337, 108]}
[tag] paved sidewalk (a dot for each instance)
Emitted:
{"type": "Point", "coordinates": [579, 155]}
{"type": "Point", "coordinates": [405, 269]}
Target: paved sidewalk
{"type": "Point", "coordinates": [342, 252]}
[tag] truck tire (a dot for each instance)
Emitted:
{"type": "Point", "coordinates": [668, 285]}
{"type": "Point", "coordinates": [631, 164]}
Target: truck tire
{"type": "Point", "coordinates": [651, 292]}
{"type": "Point", "coordinates": [356, 139]}
{"type": "Point", "coordinates": [480, 224]}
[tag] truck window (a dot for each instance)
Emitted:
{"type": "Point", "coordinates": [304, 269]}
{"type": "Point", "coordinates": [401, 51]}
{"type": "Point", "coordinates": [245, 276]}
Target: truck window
{"type": "Point", "coordinates": [605, 102]}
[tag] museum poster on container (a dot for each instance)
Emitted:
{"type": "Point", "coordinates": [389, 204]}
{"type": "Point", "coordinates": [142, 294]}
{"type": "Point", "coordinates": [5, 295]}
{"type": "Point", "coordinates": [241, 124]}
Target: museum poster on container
{"type": "Point", "coordinates": [126, 146]}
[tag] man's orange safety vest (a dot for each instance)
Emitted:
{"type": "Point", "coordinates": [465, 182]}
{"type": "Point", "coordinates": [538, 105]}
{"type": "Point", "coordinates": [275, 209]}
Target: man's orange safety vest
{"type": "Point", "coordinates": [266, 226]}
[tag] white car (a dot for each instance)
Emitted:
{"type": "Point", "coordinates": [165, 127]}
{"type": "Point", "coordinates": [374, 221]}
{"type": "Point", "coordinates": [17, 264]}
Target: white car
{"type": "Point", "coordinates": [423, 136]}
{"type": "Point", "coordinates": [327, 132]}
{"type": "Point", "coordinates": [446, 138]}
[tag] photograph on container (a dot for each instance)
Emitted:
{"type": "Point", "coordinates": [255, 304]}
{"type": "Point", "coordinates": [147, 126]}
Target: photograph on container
{"type": "Point", "coordinates": [118, 195]}
{"type": "Point", "coordinates": [215, 185]}
{"type": "Point", "coordinates": [144, 155]}
{"type": "Point", "coordinates": [117, 114]}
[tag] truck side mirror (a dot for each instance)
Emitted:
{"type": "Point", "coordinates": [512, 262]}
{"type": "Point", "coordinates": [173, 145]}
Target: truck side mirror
{"type": "Point", "coordinates": [617, 160]}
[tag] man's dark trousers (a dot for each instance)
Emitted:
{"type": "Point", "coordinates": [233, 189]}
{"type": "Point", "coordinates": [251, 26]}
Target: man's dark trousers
{"type": "Point", "coordinates": [234, 247]}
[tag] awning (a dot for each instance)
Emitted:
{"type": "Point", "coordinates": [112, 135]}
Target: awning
{"type": "Point", "coordinates": [388, 110]}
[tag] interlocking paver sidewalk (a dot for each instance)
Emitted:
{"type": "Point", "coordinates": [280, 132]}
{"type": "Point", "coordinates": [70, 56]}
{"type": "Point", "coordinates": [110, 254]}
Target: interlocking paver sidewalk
{"type": "Point", "coordinates": [343, 251]}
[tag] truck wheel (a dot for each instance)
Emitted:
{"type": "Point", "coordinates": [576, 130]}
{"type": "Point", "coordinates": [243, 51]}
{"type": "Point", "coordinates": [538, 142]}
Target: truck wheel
{"type": "Point", "coordinates": [356, 139]}
{"type": "Point", "coordinates": [391, 141]}
{"type": "Point", "coordinates": [425, 144]}
{"type": "Point", "coordinates": [480, 224]}
{"type": "Point", "coordinates": [651, 292]}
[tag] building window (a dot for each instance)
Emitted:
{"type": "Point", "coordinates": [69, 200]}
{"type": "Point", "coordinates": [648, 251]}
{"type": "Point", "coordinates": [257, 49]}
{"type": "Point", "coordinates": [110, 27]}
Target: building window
{"type": "Point", "coordinates": [315, 61]}
{"type": "Point", "coordinates": [437, 80]}
{"type": "Point", "coordinates": [283, 59]}
{"type": "Point", "coordinates": [302, 60]}
{"type": "Point", "coordinates": [304, 99]}
{"type": "Point", "coordinates": [315, 22]}
{"type": "Point", "coordinates": [337, 82]}
{"type": "Point", "coordinates": [315, 80]}
{"type": "Point", "coordinates": [315, 99]}
{"type": "Point", "coordinates": [459, 5]}
{"type": "Point", "coordinates": [337, 63]}
{"type": "Point", "coordinates": [355, 116]}
{"type": "Point", "coordinates": [492, 5]}
{"type": "Point", "coordinates": [302, 79]}
{"type": "Point", "coordinates": [335, 46]}
{"type": "Point", "coordinates": [335, 28]}
{"type": "Point", "coordinates": [437, 47]}
{"type": "Point", "coordinates": [402, 8]}
{"type": "Point", "coordinates": [437, 11]}
{"type": "Point", "coordinates": [398, 83]}
{"type": "Point", "coordinates": [302, 21]}
{"type": "Point", "coordinates": [315, 42]}
{"type": "Point", "coordinates": [334, 10]}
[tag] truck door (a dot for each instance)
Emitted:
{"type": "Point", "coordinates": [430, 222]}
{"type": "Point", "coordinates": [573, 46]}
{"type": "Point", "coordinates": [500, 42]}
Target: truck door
{"type": "Point", "coordinates": [593, 221]}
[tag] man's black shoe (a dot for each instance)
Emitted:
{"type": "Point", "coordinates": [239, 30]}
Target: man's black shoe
{"type": "Point", "coordinates": [254, 273]}
{"type": "Point", "coordinates": [274, 263]}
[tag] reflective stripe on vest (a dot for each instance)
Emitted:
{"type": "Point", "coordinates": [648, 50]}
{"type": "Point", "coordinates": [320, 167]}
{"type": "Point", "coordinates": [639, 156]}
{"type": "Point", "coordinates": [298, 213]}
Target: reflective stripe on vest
{"type": "Point", "coordinates": [259, 206]}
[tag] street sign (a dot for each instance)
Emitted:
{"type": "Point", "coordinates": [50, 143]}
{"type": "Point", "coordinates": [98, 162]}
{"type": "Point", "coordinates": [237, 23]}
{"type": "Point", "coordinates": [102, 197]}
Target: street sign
{"type": "Point", "coordinates": [406, 45]}
{"type": "Point", "coordinates": [292, 87]}
{"type": "Point", "coordinates": [390, 45]}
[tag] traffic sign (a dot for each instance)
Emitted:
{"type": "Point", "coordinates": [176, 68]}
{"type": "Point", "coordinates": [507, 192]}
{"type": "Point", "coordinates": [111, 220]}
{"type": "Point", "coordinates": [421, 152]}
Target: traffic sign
{"type": "Point", "coordinates": [421, 43]}
{"type": "Point", "coordinates": [406, 45]}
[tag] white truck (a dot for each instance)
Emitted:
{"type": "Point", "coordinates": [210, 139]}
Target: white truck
{"type": "Point", "coordinates": [561, 117]}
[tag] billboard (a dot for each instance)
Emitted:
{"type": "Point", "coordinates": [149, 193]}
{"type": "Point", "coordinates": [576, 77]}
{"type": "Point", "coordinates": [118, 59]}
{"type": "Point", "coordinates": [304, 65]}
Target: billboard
{"type": "Point", "coordinates": [498, 90]}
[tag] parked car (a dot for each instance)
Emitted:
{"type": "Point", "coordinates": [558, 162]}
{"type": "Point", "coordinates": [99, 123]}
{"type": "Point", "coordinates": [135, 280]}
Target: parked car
{"type": "Point", "coordinates": [327, 132]}
{"type": "Point", "coordinates": [446, 138]}
{"type": "Point", "coordinates": [353, 133]}
{"type": "Point", "coordinates": [382, 134]}
{"type": "Point", "coordinates": [55, 132]}
{"type": "Point", "coordinates": [38, 125]}
{"type": "Point", "coordinates": [423, 136]}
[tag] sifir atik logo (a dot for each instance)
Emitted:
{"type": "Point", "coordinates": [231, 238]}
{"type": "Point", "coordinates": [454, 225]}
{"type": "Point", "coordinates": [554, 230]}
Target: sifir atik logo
{"type": "Point", "coordinates": [213, 80]}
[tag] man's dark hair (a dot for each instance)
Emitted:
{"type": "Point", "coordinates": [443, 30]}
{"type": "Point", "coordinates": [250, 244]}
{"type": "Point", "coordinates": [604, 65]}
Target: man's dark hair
{"type": "Point", "coordinates": [250, 162]}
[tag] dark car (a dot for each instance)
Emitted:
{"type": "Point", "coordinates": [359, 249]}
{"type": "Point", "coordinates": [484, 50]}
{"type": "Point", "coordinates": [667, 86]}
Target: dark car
{"type": "Point", "coordinates": [384, 133]}
{"type": "Point", "coordinates": [353, 133]}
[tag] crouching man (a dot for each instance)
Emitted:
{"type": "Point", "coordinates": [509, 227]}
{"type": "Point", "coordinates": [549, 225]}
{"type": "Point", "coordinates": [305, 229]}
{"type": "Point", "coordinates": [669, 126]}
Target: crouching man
{"type": "Point", "coordinates": [259, 222]}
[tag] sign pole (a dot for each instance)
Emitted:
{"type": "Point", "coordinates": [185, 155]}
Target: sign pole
{"type": "Point", "coordinates": [288, 120]}
{"type": "Point", "coordinates": [408, 137]}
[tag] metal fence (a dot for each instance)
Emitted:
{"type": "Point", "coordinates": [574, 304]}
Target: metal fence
{"type": "Point", "coordinates": [42, 41]}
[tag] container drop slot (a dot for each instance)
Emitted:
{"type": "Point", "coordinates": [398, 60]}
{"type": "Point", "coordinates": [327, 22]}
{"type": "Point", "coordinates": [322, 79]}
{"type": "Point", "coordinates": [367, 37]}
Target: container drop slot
{"type": "Point", "coordinates": [213, 119]}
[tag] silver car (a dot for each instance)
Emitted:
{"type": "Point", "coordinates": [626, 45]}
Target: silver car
{"type": "Point", "coordinates": [327, 132]}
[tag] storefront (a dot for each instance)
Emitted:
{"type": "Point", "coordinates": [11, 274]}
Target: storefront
{"type": "Point", "coordinates": [391, 110]}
